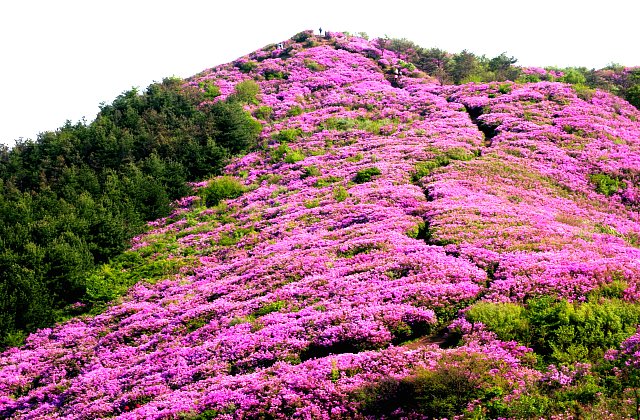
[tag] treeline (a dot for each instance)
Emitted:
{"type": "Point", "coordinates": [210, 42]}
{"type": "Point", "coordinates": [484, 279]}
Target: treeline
{"type": "Point", "coordinates": [465, 67]}
{"type": "Point", "coordinates": [72, 199]}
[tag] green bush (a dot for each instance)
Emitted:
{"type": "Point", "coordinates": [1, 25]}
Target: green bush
{"type": "Point", "coordinates": [247, 66]}
{"type": "Point", "coordinates": [633, 95]}
{"type": "Point", "coordinates": [445, 391]}
{"type": "Point", "coordinates": [288, 135]}
{"type": "Point", "coordinates": [340, 193]}
{"type": "Point", "coordinates": [584, 92]}
{"type": "Point", "coordinates": [211, 90]}
{"type": "Point", "coordinates": [294, 111]}
{"type": "Point", "coordinates": [247, 91]}
{"type": "Point", "coordinates": [423, 169]}
{"type": "Point", "coordinates": [573, 76]}
{"type": "Point", "coordinates": [505, 319]}
{"type": "Point", "coordinates": [310, 171]}
{"type": "Point", "coordinates": [263, 112]}
{"type": "Point", "coordinates": [221, 188]}
{"type": "Point", "coordinates": [560, 331]}
{"type": "Point", "coordinates": [302, 36]}
{"type": "Point", "coordinates": [313, 65]}
{"type": "Point", "coordinates": [271, 74]}
{"type": "Point", "coordinates": [605, 184]}
{"type": "Point", "coordinates": [293, 156]}
{"type": "Point", "coordinates": [235, 130]}
{"type": "Point", "coordinates": [365, 175]}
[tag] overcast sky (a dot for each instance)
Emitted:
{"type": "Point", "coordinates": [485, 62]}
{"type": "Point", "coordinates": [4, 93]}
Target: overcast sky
{"type": "Point", "coordinates": [60, 59]}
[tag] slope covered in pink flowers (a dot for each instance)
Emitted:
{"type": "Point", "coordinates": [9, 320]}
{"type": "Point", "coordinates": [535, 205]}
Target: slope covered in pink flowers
{"type": "Point", "coordinates": [377, 209]}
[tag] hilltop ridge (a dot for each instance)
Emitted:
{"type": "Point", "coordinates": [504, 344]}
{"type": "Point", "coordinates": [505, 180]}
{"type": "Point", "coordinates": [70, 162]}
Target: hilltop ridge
{"type": "Point", "coordinates": [372, 249]}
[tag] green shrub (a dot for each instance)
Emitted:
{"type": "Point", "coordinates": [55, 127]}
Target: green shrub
{"type": "Point", "coordinates": [294, 111]}
{"type": "Point", "coordinates": [235, 129]}
{"type": "Point", "coordinates": [340, 193]}
{"type": "Point", "coordinates": [278, 154]}
{"type": "Point", "coordinates": [263, 112]}
{"type": "Point", "coordinates": [311, 204]}
{"type": "Point", "coordinates": [365, 175]}
{"type": "Point", "coordinates": [584, 92]}
{"type": "Point", "coordinates": [247, 91]}
{"type": "Point", "coordinates": [605, 184]}
{"type": "Point", "coordinates": [271, 74]}
{"type": "Point", "coordinates": [211, 90]}
{"type": "Point", "coordinates": [247, 66]}
{"type": "Point", "coordinates": [302, 36]}
{"type": "Point", "coordinates": [293, 156]}
{"type": "Point", "coordinates": [221, 188]}
{"type": "Point", "coordinates": [423, 169]}
{"type": "Point", "coordinates": [310, 171]}
{"type": "Point", "coordinates": [633, 95]}
{"type": "Point", "coordinates": [313, 65]}
{"type": "Point", "coordinates": [288, 135]}
{"type": "Point", "coordinates": [505, 88]}
{"type": "Point", "coordinates": [573, 76]}
{"type": "Point", "coordinates": [457, 153]}
{"type": "Point", "coordinates": [445, 391]}
{"type": "Point", "coordinates": [327, 180]}
{"type": "Point", "coordinates": [270, 307]}
{"type": "Point", "coordinates": [560, 331]}
{"type": "Point", "coordinates": [340, 124]}
{"type": "Point", "coordinates": [505, 319]}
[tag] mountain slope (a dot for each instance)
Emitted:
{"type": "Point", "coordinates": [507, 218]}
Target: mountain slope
{"type": "Point", "coordinates": [375, 210]}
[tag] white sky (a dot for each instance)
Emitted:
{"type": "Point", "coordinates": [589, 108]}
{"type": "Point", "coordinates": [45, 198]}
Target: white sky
{"type": "Point", "coordinates": [60, 58]}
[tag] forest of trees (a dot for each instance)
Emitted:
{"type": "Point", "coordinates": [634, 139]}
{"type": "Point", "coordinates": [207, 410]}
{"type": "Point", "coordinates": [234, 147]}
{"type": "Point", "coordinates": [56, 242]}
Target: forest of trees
{"type": "Point", "coordinates": [72, 199]}
{"type": "Point", "coordinates": [465, 66]}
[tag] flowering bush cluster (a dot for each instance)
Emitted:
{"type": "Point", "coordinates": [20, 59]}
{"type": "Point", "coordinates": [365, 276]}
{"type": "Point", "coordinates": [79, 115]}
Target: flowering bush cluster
{"type": "Point", "coordinates": [376, 209]}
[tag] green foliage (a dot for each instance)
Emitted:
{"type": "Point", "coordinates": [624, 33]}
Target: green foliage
{"type": "Point", "coordinates": [340, 193]}
{"type": "Point", "coordinates": [310, 171]}
{"type": "Point", "coordinates": [246, 92]}
{"type": "Point", "coordinates": [504, 88]}
{"type": "Point", "coordinates": [221, 188]}
{"type": "Point", "coordinates": [365, 175]}
{"type": "Point", "coordinates": [293, 156]}
{"type": "Point", "coordinates": [71, 200]}
{"type": "Point", "coordinates": [505, 319]}
{"type": "Point", "coordinates": [311, 204]}
{"type": "Point", "coordinates": [584, 92]}
{"type": "Point", "coordinates": [633, 95]}
{"type": "Point", "coordinates": [605, 184]}
{"type": "Point", "coordinates": [288, 135]}
{"type": "Point", "coordinates": [573, 76]}
{"type": "Point", "coordinates": [270, 307]}
{"type": "Point", "coordinates": [294, 111]}
{"type": "Point", "coordinates": [560, 331]}
{"type": "Point", "coordinates": [327, 180]}
{"type": "Point", "coordinates": [302, 36]}
{"type": "Point", "coordinates": [263, 112]}
{"type": "Point", "coordinates": [235, 130]}
{"type": "Point", "coordinates": [271, 74]}
{"type": "Point", "coordinates": [114, 279]}
{"type": "Point", "coordinates": [360, 123]}
{"type": "Point", "coordinates": [211, 90]}
{"type": "Point", "coordinates": [246, 66]}
{"type": "Point", "coordinates": [425, 168]}
{"type": "Point", "coordinates": [313, 65]}
{"type": "Point", "coordinates": [445, 391]}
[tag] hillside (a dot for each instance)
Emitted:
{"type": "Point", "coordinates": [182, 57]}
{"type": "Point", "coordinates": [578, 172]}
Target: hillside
{"type": "Point", "coordinates": [391, 239]}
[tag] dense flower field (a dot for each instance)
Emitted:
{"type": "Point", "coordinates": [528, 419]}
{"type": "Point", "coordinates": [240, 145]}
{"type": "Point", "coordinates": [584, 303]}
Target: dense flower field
{"type": "Point", "coordinates": [376, 210]}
